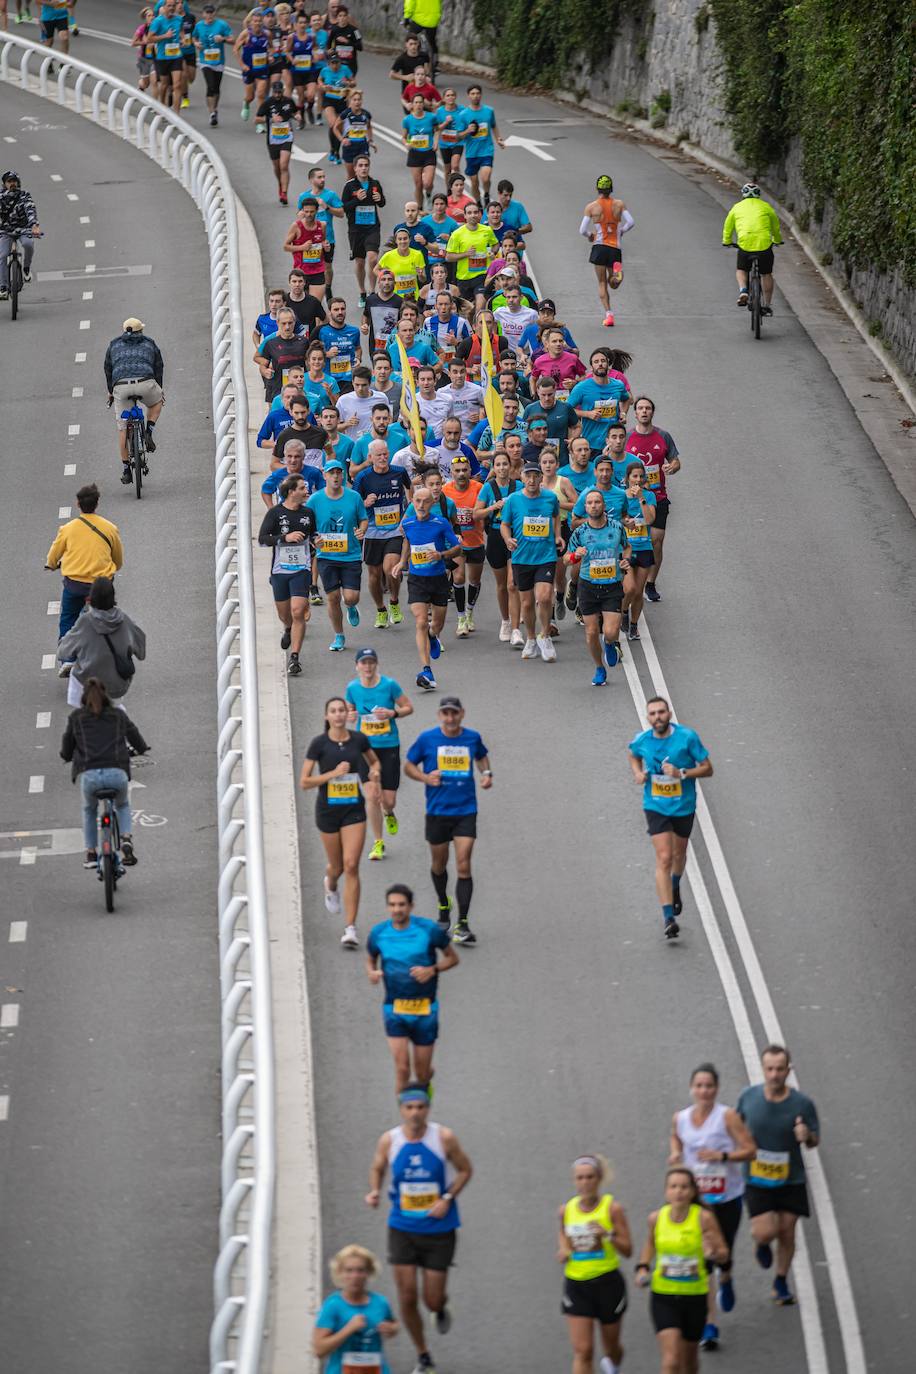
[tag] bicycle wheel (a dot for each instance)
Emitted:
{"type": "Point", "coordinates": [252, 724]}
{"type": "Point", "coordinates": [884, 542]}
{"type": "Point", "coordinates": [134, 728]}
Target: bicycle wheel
{"type": "Point", "coordinates": [109, 862]}
{"type": "Point", "coordinates": [136, 457]}
{"type": "Point", "coordinates": [756, 304]}
{"type": "Point", "coordinates": [15, 285]}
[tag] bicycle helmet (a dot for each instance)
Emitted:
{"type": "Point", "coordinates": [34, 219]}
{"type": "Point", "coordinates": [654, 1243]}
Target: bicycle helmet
{"type": "Point", "coordinates": [604, 183]}
{"type": "Point", "coordinates": [750, 188]}
{"type": "Point", "coordinates": [11, 176]}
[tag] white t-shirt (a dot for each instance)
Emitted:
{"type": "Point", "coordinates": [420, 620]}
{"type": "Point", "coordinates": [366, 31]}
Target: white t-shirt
{"type": "Point", "coordinates": [513, 323]}
{"type": "Point", "coordinates": [464, 403]}
{"type": "Point", "coordinates": [361, 407]}
{"type": "Point", "coordinates": [435, 410]}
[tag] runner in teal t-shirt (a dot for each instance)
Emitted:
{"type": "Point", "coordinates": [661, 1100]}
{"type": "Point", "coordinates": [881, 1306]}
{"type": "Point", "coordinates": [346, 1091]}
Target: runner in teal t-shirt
{"type": "Point", "coordinates": [530, 526]}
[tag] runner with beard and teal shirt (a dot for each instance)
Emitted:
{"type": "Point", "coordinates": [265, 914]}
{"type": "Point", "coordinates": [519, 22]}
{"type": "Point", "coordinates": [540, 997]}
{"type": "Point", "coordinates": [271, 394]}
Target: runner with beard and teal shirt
{"type": "Point", "coordinates": [342, 519]}
{"type": "Point", "coordinates": [600, 548]}
{"type": "Point", "coordinates": [615, 500]}
{"type": "Point", "coordinates": [530, 526]}
{"type": "Point", "coordinates": [597, 401]}
{"type": "Point", "coordinates": [394, 434]}
{"type": "Point", "coordinates": [440, 229]}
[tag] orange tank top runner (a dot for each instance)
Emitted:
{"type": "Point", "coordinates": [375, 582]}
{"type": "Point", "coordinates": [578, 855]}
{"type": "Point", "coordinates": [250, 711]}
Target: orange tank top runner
{"type": "Point", "coordinates": [608, 220]}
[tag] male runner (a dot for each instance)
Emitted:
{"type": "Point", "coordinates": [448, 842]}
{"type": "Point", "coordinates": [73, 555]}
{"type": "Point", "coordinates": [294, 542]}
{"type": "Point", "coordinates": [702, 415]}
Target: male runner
{"type": "Point", "coordinates": [428, 540]}
{"type": "Point", "coordinates": [342, 519]}
{"type": "Point", "coordinates": [603, 221]}
{"type": "Point", "coordinates": [530, 527]}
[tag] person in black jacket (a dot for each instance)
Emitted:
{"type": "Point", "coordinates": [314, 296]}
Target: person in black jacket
{"type": "Point", "coordinates": [362, 197]}
{"type": "Point", "coordinates": [95, 743]}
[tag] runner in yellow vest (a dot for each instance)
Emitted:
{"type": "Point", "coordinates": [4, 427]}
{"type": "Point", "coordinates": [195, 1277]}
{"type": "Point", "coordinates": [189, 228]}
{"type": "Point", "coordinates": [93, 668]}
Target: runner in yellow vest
{"type": "Point", "coordinates": [683, 1237]}
{"type": "Point", "coordinates": [594, 1233]}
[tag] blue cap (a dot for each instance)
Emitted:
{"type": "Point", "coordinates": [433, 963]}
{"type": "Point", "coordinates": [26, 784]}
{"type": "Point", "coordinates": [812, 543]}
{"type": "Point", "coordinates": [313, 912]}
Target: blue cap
{"type": "Point", "coordinates": [362, 654]}
{"type": "Point", "coordinates": [335, 465]}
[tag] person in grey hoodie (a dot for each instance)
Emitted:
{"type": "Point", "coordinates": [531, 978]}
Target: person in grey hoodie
{"type": "Point", "coordinates": [101, 643]}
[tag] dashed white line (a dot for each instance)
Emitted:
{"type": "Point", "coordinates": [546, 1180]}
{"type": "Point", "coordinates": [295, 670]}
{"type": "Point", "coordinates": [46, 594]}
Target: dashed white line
{"type": "Point", "coordinates": [79, 357]}
{"type": "Point", "coordinates": [53, 608]}
{"type": "Point", "coordinates": [18, 932]}
{"type": "Point", "coordinates": [4, 1108]}
{"type": "Point", "coordinates": [90, 243]}
{"type": "Point", "coordinates": [69, 469]}
{"type": "Point", "coordinates": [84, 324]}
{"type": "Point", "coordinates": [87, 295]}
{"type": "Point", "coordinates": [48, 661]}
{"type": "Point", "coordinates": [35, 157]}
{"type": "Point", "coordinates": [43, 720]}
{"type": "Point", "coordinates": [56, 176]}
{"type": "Point", "coordinates": [84, 219]}
{"type": "Point", "coordinates": [36, 783]}
{"type": "Point", "coordinates": [9, 1015]}
{"type": "Point", "coordinates": [76, 393]}
{"type": "Point", "coordinates": [71, 195]}
{"type": "Point", "coordinates": [73, 430]}
{"type": "Point", "coordinates": [63, 512]}
{"type": "Point", "coordinates": [8, 139]}
{"type": "Point", "coordinates": [28, 855]}
{"type": "Point", "coordinates": [90, 267]}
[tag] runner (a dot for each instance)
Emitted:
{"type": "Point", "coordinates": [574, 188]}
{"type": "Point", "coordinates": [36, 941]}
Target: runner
{"type": "Point", "coordinates": [288, 528]}
{"type": "Point", "coordinates": [558, 361]}
{"type": "Point", "coordinates": [342, 519]}
{"type": "Point", "coordinates": [443, 759]}
{"type": "Point", "coordinates": [344, 38]}
{"type": "Point", "coordinates": [493, 493]}
{"type": "Point", "coordinates": [407, 265]}
{"type": "Point", "coordinates": [713, 1141]}
{"type": "Point", "coordinates": [594, 1233]}
{"type": "Point", "coordinates": [403, 950]}
{"type": "Point", "coordinates": [530, 527]}
{"type": "Point", "coordinates": [781, 1120]}
{"type": "Point", "coordinates": [469, 567]}
{"type": "Point", "coordinates": [211, 35]}
{"type": "Point", "coordinates": [683, 1239]}
{"type": "Point", "coordinates": [377, 704]}
{"type": "Point", "coordinates": [428, 1171]}
{"type": "Point", "coordinates": [251, 52]}
{"type": "Point", "coordinates": [659, 455]}
{"type": "Point", "coordinates": [342, 766]}
{"type": "Point", "coordinates": [458, 197]}
{"type": "Point", "coordinates": [354, 130]}
{"type": "Point", "coordinates": [166, 30]}
{"type": "Point", "coordinates": [445, 327]}
{"type": "Point", "coordinates": [479, 149]}
{"type": "Point", "coordinates": [354, 1321]}
{"type": "Point", "coordinates": [420, 136]}
{"type": "Point", "coordinates": [146, 51]}
{"type": "Point", "coordinates": [307, 238]}
{"type": "Point", "coordinates": [278, 112]}
{"type": "Point", "coordinates": [640, 511]}
{"type": "Point", "coordinates": [452, 121]}
{"type": "Point", "coordinates": [603, 221]}
{"type": "Point", "coordinates": [471, 247]}
{"type": "Point", "coordinates": [301, 52]}
{"type": "Point", "coordinates": [600, 548]}
{"type": "Point", "coordinates": [362, 198]}
{"type": "Point", "coordinates": [427, 540]}
{"type": "Point", "coordinates": [343, 343]}
{"type": "Point", "coordinates": [334, 78]}
{"type": "Point", "coordinates": [385, 491]}
{"type": "Point", "coordinates": [666, 761]}
{"type": "Point", "coordinates": [615, 500]}
{"type": "Point", "coordinates": [597, 400]}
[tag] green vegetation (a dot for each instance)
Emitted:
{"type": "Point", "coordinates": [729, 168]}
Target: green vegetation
{"type": "Point", "coordinates": [841, 76]}
{"type": "Point", "coordinates": [539, 41]}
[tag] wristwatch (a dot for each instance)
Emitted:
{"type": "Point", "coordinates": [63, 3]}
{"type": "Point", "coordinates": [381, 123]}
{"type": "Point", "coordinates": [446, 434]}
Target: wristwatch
{"type": "Point", "coordinates": [448, 1197]}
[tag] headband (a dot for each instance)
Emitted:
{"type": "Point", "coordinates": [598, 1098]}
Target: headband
{"type": "Point", "coordinates": [589, 1160]}
{"type": "Point", "coordinates": [414, 1095]}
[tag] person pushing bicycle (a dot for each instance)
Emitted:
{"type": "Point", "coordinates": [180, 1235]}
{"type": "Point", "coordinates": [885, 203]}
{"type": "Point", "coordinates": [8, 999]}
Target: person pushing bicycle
{"type": "Point", "coordinates": [18, 219]}
{"type": "Point", "coordinates": [134, 367]}
{"type": "Point", "coordinates": [755, 226]}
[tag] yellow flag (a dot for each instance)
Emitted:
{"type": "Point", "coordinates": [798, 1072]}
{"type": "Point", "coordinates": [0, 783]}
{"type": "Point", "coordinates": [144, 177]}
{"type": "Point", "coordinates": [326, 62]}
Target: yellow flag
{"type": "Point", "coordinates": [492, 401]}
{"type": "Point", "coordinates": [409, 408]}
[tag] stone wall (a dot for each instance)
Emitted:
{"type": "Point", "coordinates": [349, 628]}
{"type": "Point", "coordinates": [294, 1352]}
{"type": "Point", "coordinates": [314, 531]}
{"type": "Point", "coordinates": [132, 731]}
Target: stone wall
{"type": "Point", "coordinates": [666, 67]}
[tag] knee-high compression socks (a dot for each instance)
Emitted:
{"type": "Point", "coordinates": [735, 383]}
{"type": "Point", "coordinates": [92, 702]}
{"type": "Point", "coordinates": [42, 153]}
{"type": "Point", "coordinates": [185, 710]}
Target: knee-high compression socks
{"type": "Point", "coordinates": [473, 593]}
{"type": "Point", "coordinates": [459, 600]}
{"type": "Point", "coordinates": [464, 891]}
{"type": "Point", "coordinates": [440, 883]}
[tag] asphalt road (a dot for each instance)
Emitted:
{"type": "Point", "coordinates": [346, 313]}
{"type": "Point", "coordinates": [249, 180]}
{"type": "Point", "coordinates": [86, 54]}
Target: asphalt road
{"type": "Point", "coordinates": [109, 1157]}
{"type": "Point", "coordinates": [787, 639]}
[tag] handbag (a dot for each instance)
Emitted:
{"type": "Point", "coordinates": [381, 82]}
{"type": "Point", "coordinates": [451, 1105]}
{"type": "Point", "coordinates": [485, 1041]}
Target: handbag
{"type": "Point", "coordinates": [124, 665]}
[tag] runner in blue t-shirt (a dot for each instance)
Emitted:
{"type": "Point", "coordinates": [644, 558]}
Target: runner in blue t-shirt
{"type": "Point", "coordinates": [342, 519]}
{"type": "Point", "coordinates": [366, 1317]}
{"type": "Point", "coordinates": [210, 36]}
{"type": "Point", "coordinates": [251, 50]}
{"type": "Point", "coordinates": [600, 548]}
{"type": "Point", "coordinates": [479, 141]}
{"type": "Point", "coordinates": [530, 527]}
{"type": "Point", "coordinates": [444, 759]}
{"type": "Point", "coordinates": [428, 539]}
{"type": "Point", "coordinates": [334, 79]}
{"type": "Point", "coordinates": [378, 703]}
{"type": "Point", "coordinates": [346, 341]}
{"type": "Point", "coordinates": [386, 492]}
{"type": "Point", "coordinates": [597, 401]}
{"type": "Point", "coordinates": [403, 951]}
{"type": "Point", "coordinates": [638, 515]}
{"type": "Point", "coordinates": [666, 761]}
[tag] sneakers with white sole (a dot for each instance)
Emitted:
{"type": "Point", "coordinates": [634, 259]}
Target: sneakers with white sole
{"type": "Point", "coordinates": [516, 640]}
{"type": "Point", "coordinates": [350, 939]}
{"type": "Point", "coordinates": [530, 649]}
{"type": "Point", "coordinates": [548, 652]}
{"type": "Point", "coordinates": [505, 631]}
{"type": "Point", "coordinates": [332, 899]}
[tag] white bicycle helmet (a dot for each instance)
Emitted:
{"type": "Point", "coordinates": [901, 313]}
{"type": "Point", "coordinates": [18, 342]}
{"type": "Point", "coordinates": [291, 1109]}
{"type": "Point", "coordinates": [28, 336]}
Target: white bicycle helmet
{"type": "Point", "coordinates": [750, 188]}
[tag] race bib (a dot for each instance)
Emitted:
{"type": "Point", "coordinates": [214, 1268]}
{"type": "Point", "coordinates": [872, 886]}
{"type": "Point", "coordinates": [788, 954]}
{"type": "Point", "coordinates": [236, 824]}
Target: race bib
{"type": "Point", "coordinates": [477, 262]}
{"type": "Point", "coordinates": [212, 55]}
{"type": "Point", "coordinates": [343, 791]}
{"type": "Point", "coordinates": [371, 725]}
{"type": "Point", "coordinates": [361, 1362]}
{"type": "Point", "coordinates": [711, 1185]}
{"type": "Point", "coordinates": [680, 1267]}
{"type": "Point", "coordinates": [365, 214]}
{"type": "Point", "coordinates": [334, 543]}
{"type": "Point", "coordinates": [412, 1006]}
{"type": "Point", "coordinates": [311, 253]}
{"type": "Point", "coordinates": [357, 135]}
{"type": "Point", "coordinates": [293, 557]}
{"type": "Point", "coordinates": [603, 572]}
{"type": "Point", "coordinates": [421, 555]}
{"type": "Point", "coordinates": [562, 394]}
{"type": "Point", "coordinates": [259, 59]}
{"type": "Point", "coordinates": [607, 410]}
{"type": "Point", "coordinates": [483, 131]}
{"type": "Point", "coordinates": [418, 1197]}
{"type": "Point", "coordinates": [453, 762]}
{"type": "Point", "coordinates": [344, 51]}
{"type": "Point", "coordinates": [302, 61]}
{"type": "Point", "coordinates": [280, 133]}
{"type": "Point", "coordinates": [334, 92]}
{"type": "Point", "coordinates": [419, 142]}
{"type": "Point", "coordinates": [386, 516]}
{"type": "Point", "coordinates": [405, 281]}
{"type": "Point", "coordinates": [663, 786]}
{"type": "Point", "coordinates": [465, 516]}
{"type": "Point", "coordinates": [639, 531]}
{"type": "Point", "coordinates": [340, 366]}
{"type": "Point", "coordinates": [653, 477]}
{"type": "Point", "coordinates": [582, 1238]}
{"type": "Point", "coordinates": [536, 526]}
{"type": "Point", "coordinates": [172, 50]}
{"type": "Point", "coordinates": [769, 1169]}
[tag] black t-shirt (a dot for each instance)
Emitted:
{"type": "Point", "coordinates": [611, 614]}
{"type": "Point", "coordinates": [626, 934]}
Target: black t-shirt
{"type": "Point", "coordinates": [313, 438]}
{"type": "Point", "coordinates": [283, 353]}
{"type": "Point", "coordinates": [309, 312]}
{"type": "Point", "coordinates": [281, 521]}
{"type": "Point", "coordinates": [280, 108]}
{"type": "Point", "coordinates": [329, 753]}
{"type": "Point", "coordinates": [382, 318]}
{"type": "Point", "coordinates": [348, 41]}
{"type": "Point", "coordinates": [351, 204]}
{"type": "Point", "coordinates": [406, 65]}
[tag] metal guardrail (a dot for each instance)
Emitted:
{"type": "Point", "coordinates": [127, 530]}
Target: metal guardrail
{"type": "Point", "coordinates": [242, 1271]}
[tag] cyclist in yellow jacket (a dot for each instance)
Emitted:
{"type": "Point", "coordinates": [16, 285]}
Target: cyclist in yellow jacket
{"type": "Point", "coordinates": [755, 226]}
{"type": "Point", "coordinates": [422, 18]}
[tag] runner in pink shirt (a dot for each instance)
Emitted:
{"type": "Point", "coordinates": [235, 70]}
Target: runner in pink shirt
{"type": "Point", "coordinates": [557, 362]}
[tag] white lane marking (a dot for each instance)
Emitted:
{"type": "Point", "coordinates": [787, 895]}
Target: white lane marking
{"type": "Point", "coordinates": [88, 295]}
{"type": "Point", "coordinates": [89, 268]}
{"type": "Point", "coordinates": [34, 157]}
{"type": "Point", "coordinates": [4, 1108]}
{"type": "Point", "coordinates": [48, 661]}
{"type": "Point", "coordinates": [79, 357]}
{"type": "Point", "coordinates": [532, 145]}
{"type": "Point", "coordinates": [71, 195]}
{"type": "Point", "coordinates": [837, 1268]}
{"type": "Point", "coordinates": [36, 783]}
{"type": "Point", "coordinates": [9, 1015]}
{"type": "Point", "coordinates": [90, 243]}
{"type": "Point", "coordinates": [43, 720]}
{"type": "Point", "coordinates": [84, 324]}
{"type": "Point", "coordinates": [63, 512]}
{"type": "Point", "coordinates": [300, 155]}
{"type": "Point", "coordinates": [69, 469]}
{"type": "Point", "coordinates": [76, 393]}
{"type": "Point", "coordinates": [18, 932]}
{"type": "Point", "coordinates": [56, 176]}
{"type": "Point", "coordinates": [28, 855]}
{"type": "Point", "coordinates": [73, 430]}
{"type": "Point", "coordinates": [8, 138]}
{"type": "Point", "coordinates": [143, 269]}
{"type": "Point", "coordinates": [84, 219]}
{"type": "Point", "coordinates": [53, 608]}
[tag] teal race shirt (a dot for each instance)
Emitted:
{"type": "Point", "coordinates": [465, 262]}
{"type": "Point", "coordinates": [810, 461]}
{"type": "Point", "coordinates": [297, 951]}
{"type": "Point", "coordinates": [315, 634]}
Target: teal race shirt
{"type": "Point", "coordinates": [591, 395]}
{"type": "Point", "coordinates": [601, 552]}
{"type": "Point", "coordinates": [682, 747]}
{"type": "Point", "coordinates": [381, 732]}
{"type": "Point", "coordinates": [337, 521]}
{"type": "Point", "coordinates": [531, 521]}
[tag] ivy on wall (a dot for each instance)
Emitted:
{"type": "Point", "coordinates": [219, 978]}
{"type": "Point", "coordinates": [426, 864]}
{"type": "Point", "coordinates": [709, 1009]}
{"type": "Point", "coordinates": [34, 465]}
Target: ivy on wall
{"type": "Point", "coordinates": [538, 41]}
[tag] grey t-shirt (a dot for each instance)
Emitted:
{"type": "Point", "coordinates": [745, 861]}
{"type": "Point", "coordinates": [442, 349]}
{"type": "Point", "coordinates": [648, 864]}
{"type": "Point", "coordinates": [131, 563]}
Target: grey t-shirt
{"type": "Point", "coordinates": [778, 1161]}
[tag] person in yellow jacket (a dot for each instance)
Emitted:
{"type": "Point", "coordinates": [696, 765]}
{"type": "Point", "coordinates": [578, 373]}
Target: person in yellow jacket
{"type": "Point", "coordinates": [594, 1233]}
{"type": "Point", "coordinates": [85, 548]}
{"type": "Point", "coordinates": [684, 1238]}
{"type": "Point", "coordinates": [754, 224]}
{"type": "Point", "coordinates": [422, 18]}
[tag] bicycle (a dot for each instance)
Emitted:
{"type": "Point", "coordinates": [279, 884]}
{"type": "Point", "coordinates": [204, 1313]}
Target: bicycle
{"type": "Point", "coordinates": [109, 861]}
{"type": "Point", "coordinates": [16, 275]}
{"type": "Point", "coordinates": [136, 443]}
{"type": "Point", "coordinates": [755, 297]}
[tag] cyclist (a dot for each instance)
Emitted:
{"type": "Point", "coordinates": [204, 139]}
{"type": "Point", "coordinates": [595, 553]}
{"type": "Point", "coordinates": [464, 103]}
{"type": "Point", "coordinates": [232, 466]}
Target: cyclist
{"type": "Point", "coordinates": [95, 744]}
{"type": "Point", "coordinates": [604, 220]}
{"type": "Point", "coordinates": [134, 367]}
{"type": "Point", "coordinates": [102, 644]}
{"type": "Point", "coordinates": [355, 1320]}
{"type": "Point", "coordinates": [83, 550]}
{"type": "Point", "coordinates": [18, 220]}
{"type": "Point", "coordinates": [755, 226]}
{"type": "Point", "coordinates": [594, 1233]}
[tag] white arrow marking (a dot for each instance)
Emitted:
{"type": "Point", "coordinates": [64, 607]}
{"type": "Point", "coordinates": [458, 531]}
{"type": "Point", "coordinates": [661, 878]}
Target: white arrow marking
{"type": "Point", "coordinates": [27, 119]}
{"type": "Point", "coordinates": [533, 146]}
{"type": "Point", "coordinates": [300, 155]}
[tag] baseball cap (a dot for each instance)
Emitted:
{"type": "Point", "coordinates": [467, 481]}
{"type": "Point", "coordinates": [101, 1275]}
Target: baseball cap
{"type": "Point", "coordinates": [368, 652]}
{"type": "Point", "coordinates": [208, 8]}
{"type": "Point", "coordinates": [547, 304]}
{"type": "Point", "coordinates": [531, 466]}
{"type": "Point", "coordinates": [450, 703]}
{"type": "Point", "coordinates": [335, 465]}
{"type": "Point", "coordinates": [134, 324]}
{"type": "Point", "coordinates": [507, 272]}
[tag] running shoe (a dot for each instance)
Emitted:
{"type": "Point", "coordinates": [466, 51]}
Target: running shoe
{"type": "Point", "coordinates": [294, 667]}
{"type": "Point", "coordinates": [725, 1298]}
{"type": "Point", "coordinates": [214, 119]}
{"type": "Point", "coordinates": [424, 1364]}
{"type": "Point", "coordinates": [332, 899]}
{"type": "Point", "coordinates": [391, 823]}
{"type": "Point", "coordinates": [782, 1293]}
{"type": "Point", "coordinates": [259, 128]}
{"type": "Point", "coordinates": [600, 677]}
{"type": "Point", "coordinates": [435, 648]}
{"type": "Point", "coordinates": [362, 300]}
{"type": "Point", "coordinates": [65, 669]}
{"type": "Point", "coordinates": [333, 159]}
{"type": "Point", "coordinates": [672, 929]}
{"type": "Point", "coordinates": [395, 616]}
{"type": "Point", "coordinates": [609, 319]}
{"type": "Point", "coordinates": [315, 597]}
{"type": "Point", "coordinates": [633, 631]}
{"type": "Point", "coordinates": [560, 612]}
{"type": "Point", "coordinates": [710, 1337]}
{"type": "Point", "coordinates": [677, 903]}
{"type": "Point", "coordinates": [337, 644]}
{"type": "Point", "coordinates": [381, 619]}
{"type": "Point", "coordinates": [766, 310]}
{"type": "Point", "coordinates": [625, 621]}
{"type": "Point", "coordinates": [185, 103]}
{"type": "Point", "coordinates": [445, 912]}
{"type": "Point", "coordinates": [610, 653]}
{"type": "Point", "coordinates": [128, 857]}
{"type": "Point", "coordinates": [570, 597]}
{"type": "Point", "coordinates": [4, 293]}
{"type": "Point", "coordinates": [283, 198]}
{"type": "Point", "coordinates": [505, 631]}
{"type": "Point", "coordinates": [652, 592]}
{"type": "Point", "coordinates": [443, 1320]}
{"type": "Point", "coordinates": [469, 619]}
{"type": "Point", "coordinates": [461, 629]}
{"type": "Point", "coordinates": [378, 850]}
{"type": "Point", "coordinates": [350, 939]}
{"type": "Point", "coordinates": [286, 639]}
{"type": "Point", "coordinates": [246, 110]}
{"type": "Point", "coordinates": [516, 640]}
{"type": "Point", "coordinates": [425, 679]}
{"type": "Point", "coordinates": [548, 652]}
{"type": "Point", "coordinates": [462, 934]}
{"type": "Point", "coordinates": [579, 618]}
{"type": "Point", "coordinates": [764, 1256]}
{"type": "Point", "coordinates": [353, 616]}
{"type": "Point", "coordinates": [531, 649]}
{"type": "Point", "coordinates": [742, 298]}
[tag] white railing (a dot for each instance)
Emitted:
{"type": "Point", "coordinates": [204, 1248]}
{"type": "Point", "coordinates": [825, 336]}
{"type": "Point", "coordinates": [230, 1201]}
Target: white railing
{"type": "Point", "coordinates": [242, 1271]}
